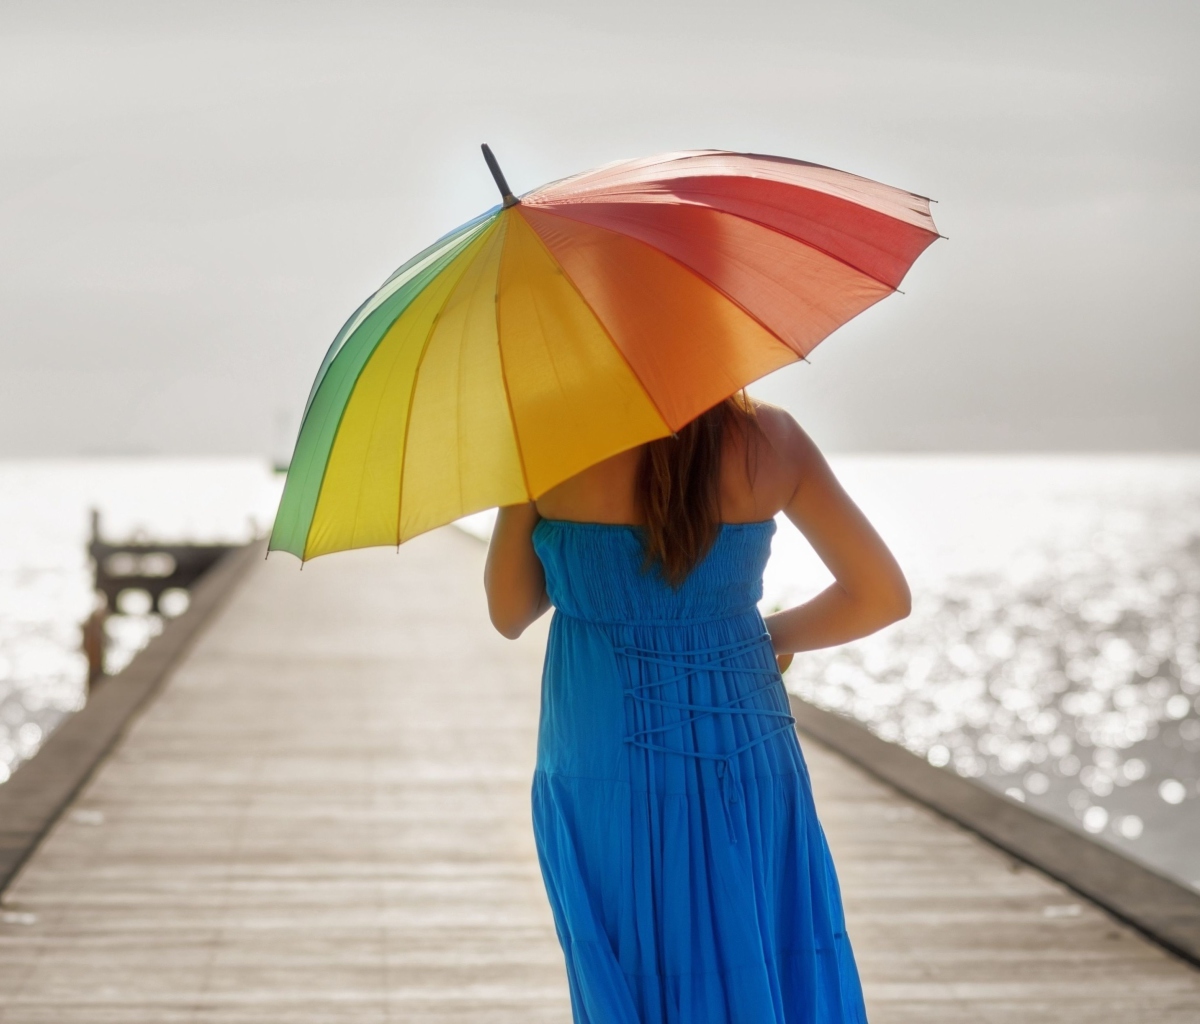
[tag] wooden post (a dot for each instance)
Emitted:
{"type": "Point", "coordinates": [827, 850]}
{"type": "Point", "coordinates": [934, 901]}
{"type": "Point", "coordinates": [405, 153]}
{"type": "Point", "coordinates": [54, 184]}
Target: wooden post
{"type": "Point", "coordinates": [94, 642]}
{"type": "Point", "coordinates": [93, 627]}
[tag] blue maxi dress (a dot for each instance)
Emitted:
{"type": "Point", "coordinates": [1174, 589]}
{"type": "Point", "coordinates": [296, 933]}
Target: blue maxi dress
{"type": "Point", "coordinates": [688, 874]}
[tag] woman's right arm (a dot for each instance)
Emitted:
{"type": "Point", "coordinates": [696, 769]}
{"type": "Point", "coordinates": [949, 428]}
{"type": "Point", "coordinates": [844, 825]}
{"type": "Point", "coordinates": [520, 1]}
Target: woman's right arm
{"type": "Point", "coordinates": [513, 575]}
{"type": "Point", "coordinates": [869, 590]}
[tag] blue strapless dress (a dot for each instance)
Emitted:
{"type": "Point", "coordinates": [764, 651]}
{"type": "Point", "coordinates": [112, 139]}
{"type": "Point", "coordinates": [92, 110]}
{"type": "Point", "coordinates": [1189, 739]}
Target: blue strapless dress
{"type": "Point", "coordinates": [688, 874]}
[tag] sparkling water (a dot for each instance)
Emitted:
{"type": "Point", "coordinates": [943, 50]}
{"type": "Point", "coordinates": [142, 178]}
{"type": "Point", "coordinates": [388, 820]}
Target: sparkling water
{"type": "Point", "coordinates": [1053, 652]}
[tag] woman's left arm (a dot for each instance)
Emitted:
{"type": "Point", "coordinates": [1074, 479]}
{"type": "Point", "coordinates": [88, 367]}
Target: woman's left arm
{"type": "Point", "coordinates": [869, 589]}
{"type": "Point", "coordinates": [513, 576]}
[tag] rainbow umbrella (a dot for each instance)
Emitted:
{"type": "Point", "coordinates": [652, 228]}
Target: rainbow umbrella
{"type": "Point", "coordinates": [591, 315]}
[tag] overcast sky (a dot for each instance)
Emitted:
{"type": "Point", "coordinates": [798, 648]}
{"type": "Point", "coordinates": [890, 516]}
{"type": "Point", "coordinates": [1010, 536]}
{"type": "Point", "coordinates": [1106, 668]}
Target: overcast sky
{"type": "Point", "coordinates": [193, 197]}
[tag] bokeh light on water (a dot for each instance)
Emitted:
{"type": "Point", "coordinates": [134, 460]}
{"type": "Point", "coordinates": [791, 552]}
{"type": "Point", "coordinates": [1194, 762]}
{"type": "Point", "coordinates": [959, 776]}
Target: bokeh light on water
{"type": "Point", "coordinates": [1053, 652]}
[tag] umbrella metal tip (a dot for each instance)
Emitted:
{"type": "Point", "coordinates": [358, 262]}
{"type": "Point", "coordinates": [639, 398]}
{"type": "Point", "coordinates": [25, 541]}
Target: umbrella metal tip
{"type": "Point", "coordinates": [498, 175]}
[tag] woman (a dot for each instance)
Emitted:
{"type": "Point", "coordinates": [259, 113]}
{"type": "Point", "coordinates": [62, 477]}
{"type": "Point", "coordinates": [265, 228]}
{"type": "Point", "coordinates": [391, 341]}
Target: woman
{"type": "Point", "coordinates": [688, 874]}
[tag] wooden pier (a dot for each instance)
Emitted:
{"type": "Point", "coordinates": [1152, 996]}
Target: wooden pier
{"type": "Point", "coordinates": [324, 817]}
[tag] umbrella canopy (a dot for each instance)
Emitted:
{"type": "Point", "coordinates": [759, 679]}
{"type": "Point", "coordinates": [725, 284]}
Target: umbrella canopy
{"type": "Point", "coordinates": [589, 316]}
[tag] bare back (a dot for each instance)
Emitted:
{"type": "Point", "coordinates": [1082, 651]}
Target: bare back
{"type": "Point", "coordinates": [773, 468]}
{"type": "Point", "coordinates": [758, 479]}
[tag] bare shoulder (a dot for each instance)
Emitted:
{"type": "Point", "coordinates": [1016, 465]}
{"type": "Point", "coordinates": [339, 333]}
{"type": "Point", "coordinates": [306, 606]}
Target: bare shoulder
{"type": "Point", "coordinates": [777, 425]}
{"type": "Point", "coordinates": [790, 446]}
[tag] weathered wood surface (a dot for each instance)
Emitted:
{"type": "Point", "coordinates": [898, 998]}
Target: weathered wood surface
{"type": "Point", "coordinates": [325, 817]}
{"type": "Point", "coordinates": [1158, 906]}
{"type": "Point", "coordinates": [31, 801]}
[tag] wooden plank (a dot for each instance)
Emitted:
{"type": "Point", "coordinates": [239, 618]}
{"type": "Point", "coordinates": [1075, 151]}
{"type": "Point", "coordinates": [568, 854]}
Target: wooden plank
{"type": "Point", "coordinates": [949, 927]}
{"type": "Point", "coordinates": [1160, 907]}
{"type": "Point", "coordinates": [36, 794]}
{"type": "Point", "coordinates": [324, 816]}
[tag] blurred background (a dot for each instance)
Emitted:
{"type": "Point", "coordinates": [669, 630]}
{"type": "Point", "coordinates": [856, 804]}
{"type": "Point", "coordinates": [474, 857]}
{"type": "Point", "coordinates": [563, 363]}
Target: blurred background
{"type": "Point", "coordinates": [194, 196]}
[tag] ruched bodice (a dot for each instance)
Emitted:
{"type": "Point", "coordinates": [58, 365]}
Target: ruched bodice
{"type": "Point", "coordinates": [688, 874]}
{"type": "Point", "coordinates": [595, 571]}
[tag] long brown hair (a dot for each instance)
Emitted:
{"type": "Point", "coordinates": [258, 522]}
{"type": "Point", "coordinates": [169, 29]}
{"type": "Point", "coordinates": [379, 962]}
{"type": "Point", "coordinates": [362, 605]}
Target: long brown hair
{"type": "Point", "coordinates": [679, 488]}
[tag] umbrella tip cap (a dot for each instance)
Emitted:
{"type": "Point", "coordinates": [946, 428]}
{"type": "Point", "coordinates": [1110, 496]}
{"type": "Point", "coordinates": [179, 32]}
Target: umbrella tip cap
{"type": "Point", "coordinates": [498, 175]}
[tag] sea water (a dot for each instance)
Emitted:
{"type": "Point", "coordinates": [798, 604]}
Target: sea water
{"type": "Point", "coordinates": [1053, 652]}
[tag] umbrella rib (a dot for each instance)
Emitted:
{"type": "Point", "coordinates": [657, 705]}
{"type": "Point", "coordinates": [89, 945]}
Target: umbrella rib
{"type": "Point", "coordinates": [358, 500]}
{"type": "Point", "coordinates": [408, 412]}
{"type": "Point", "coordinates": [465, 238]}
{"type": "Point", "coordinates": [512, 416]}
{"type": "Point", "coordinates": [458, 239]}
{"type": "Point", "coordinates": [808, 245]}
{"type": "Point", "coordinates": [542, 330]}
{"type": "Point", "coordinates": [699, 277]}
{"type": "Point", "coordinates": [604, 327]}
{"type": "Point", "coordinates": [816, 248]}
{"type": "Point", "coordinates": [631, 181]}
{"type": "Point", "coordinates": [501, 231]}
{"type": "Point", "coordinates": [453, 253]}
{"type": "Point", "coordinates": [412, 400]}
{"type": "Point", "coordinates": [548, 208]}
